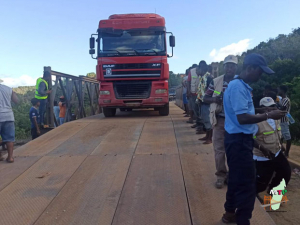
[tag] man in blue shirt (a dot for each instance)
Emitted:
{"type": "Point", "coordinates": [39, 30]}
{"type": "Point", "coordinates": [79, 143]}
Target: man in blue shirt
{"type": "Point", "coordinates": [240, 124]}
{"type": "Point", "coordinates": [34, 118]}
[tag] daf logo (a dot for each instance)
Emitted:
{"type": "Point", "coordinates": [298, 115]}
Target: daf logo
{"type": "Point", "coordinates": [108, 71]}
{"type": "Point", "coordinates": [109, 66]}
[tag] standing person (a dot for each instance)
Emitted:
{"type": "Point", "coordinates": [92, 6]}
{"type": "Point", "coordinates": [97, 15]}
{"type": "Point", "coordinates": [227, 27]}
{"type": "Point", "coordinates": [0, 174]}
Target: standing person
{"type": "Point", "coordinates": [285, 130]}
{"type": "Point", "coordinates": [41, 93]}
{"type": "Point", "coordinates": [214, 97]}
{"type": "Point", "coordinates": [56, 111]}
{"type": "Point", "coordinates": [62, 108]}
{"type": "Point", "coordinates": [184, 93]}
{"type": "Point", "coordinates": [34, 118]}
{"type": "Point", "coordinates": [192, 88]}
{"type": "Point", "coordinates": [7, 120]}
{"type": "Point", "coordinates": [240, 124]}
{"type": "Point", "coordinates": [205, 80]}
{"type": "Point", "coordinates": [267, 153]}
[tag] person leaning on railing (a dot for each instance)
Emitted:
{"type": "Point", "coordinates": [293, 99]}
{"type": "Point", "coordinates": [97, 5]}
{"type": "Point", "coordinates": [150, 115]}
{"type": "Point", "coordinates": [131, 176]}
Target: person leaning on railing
{"type": "Point", "coordinates": [41, 93]}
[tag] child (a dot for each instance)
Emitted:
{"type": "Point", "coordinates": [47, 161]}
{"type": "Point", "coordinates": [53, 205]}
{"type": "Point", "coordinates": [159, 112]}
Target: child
{"type": "Point", "coordinates": [62, 107]}
{"type": "Point", "coordinates": [34, 118]}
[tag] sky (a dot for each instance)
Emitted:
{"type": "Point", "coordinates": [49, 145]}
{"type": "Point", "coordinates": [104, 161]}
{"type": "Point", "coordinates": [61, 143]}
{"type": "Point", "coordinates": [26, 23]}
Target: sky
{"type": "Point", "coordinates": [38, 33]}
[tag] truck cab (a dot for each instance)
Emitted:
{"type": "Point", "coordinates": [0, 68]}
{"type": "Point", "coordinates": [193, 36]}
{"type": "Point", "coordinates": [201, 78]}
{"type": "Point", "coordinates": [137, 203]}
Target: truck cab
{"type": "Point", "coordinates": [132, 65]}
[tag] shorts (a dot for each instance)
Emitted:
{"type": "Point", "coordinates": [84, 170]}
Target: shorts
{"type": "Point", "coordinates": [285, 131]}
{"type": "Point", "coordinates": [184, 98]}
{"type": "Point", "coordinates": [192, 102]}
{"type": "Point", "coordinates": [7, 131]}
{"type": "Point", "coordinates": [205, 116]}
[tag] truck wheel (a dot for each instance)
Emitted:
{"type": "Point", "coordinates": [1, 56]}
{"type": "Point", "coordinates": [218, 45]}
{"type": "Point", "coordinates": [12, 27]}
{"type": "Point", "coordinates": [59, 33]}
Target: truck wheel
{"type": "Point", "coordinates": [164, 111]}
{"type": "Point", "coordinates": [109, 112]}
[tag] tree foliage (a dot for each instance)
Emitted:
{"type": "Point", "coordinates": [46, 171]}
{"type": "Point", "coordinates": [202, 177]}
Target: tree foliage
{"type": "Point", "coordinates": [174, 79]}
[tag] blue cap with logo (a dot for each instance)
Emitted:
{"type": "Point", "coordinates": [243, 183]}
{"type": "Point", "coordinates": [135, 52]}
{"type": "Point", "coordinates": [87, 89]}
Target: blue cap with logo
{"type": "Point", "coordinates": [258, 60]}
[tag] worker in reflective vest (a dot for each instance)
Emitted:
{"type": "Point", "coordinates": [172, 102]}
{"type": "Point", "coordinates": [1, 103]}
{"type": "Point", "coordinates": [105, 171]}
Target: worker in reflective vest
{"type": "Point", "coordinates": [268, 153]}
{"type": "Point", "coordinates": [41, 93]}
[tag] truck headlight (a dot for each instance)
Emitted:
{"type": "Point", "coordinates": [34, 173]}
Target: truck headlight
{"type": "Point", "coordinates": [161, 91]}
{"type": "Point", "coordinates": [104, 92]}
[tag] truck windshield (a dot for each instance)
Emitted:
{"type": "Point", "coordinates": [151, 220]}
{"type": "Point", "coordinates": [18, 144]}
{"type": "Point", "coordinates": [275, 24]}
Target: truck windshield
{"type": "Point", "coordinates": [132, 43]}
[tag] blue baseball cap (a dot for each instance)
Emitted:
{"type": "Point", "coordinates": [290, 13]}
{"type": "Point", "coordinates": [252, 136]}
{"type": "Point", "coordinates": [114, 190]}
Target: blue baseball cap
{"type": "Point", "coordinates": [258, 60]}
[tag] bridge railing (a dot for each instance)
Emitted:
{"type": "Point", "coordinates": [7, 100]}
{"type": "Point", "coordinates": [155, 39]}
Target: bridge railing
{"type": "Point", "coordinates": [81, 95]}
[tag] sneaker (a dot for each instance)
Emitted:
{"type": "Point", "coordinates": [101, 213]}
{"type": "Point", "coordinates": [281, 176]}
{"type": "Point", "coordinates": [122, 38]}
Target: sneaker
{"type": "Point", "coordinates": [229, 218]}
{"type": "Point", "coordinates": [219, 184]}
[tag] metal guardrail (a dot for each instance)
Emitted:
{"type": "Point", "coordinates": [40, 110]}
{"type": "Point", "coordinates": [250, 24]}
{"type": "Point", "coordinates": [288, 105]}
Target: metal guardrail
{"type": "Point", "coordinates": [75, 89]}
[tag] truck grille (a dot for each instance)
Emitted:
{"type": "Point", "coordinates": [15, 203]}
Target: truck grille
{"type": "Point", "coordinates": [132, 89]}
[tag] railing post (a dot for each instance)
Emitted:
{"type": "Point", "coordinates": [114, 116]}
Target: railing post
{"type": "Point", "coordinates": [50, 102]}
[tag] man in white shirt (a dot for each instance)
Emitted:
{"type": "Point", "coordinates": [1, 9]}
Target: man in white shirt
{"type": "Point", "coordinates": [7, 124]}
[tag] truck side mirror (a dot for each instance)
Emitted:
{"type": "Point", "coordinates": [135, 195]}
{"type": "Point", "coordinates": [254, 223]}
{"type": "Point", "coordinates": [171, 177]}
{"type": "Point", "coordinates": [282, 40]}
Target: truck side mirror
{"type": "Point", "coordinates": [92, 43]}
{"type": "Point", "coordinates": [92, 51]}
{"type": "Point", "coordinates": [172, 41]}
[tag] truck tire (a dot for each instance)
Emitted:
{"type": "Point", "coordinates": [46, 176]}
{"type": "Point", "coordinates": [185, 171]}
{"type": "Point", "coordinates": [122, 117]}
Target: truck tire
{"type": "Point", "coordinates": [164, 111]}
{"type": "Point", "coordinates": [109, 112]}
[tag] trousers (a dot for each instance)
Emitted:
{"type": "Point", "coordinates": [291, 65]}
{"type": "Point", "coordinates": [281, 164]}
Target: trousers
{"type": "Point", "coordinates": [42, 110]}
{"type": "Point", "coordinates": [219, 148]}
{"type": "Point", "coordinates": [266, 169]}
{"type": "Point", "coordinates": [241, 191]}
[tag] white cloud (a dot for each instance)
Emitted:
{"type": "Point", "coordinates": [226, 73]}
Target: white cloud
{"type": "Point", "coordinates": [23, 80]}
{"type": "Point", "coordinates": [213, 53]}
{"type": "Point", "coordinates": [232, 49]}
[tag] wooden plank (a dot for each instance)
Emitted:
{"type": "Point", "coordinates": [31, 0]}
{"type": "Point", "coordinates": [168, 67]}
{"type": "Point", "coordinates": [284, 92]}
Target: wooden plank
{"type": "Point", "coordinates": [23, 201]}
{"type": "Point", "coordinates": [91, 195]}
{"type": "Point", "coordinates": [85, 141]}
{"type": "Point", "coordinates": [120, 140]}
{"type": "Point", "coordinates": [10, 171]}
{"type": "Point", "coordinates": [153, 193]}
{"type": "Point", "coordinates": [157, 138]}
{"type": "Point", "coordinates": [52, 140]}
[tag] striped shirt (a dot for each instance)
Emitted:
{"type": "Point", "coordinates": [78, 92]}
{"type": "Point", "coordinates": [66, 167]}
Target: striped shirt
{"type": "Point", "coordinates": [285, 102]}
{"type": "Point", "coordinates": [210, 90]}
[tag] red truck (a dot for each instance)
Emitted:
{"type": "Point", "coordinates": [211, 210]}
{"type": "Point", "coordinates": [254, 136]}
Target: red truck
{"type": "Point", "coordinates": [132, 65]}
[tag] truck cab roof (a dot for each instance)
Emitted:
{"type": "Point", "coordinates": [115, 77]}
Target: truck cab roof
{"type": "Point", "coordinates": [135, 16]}
{"type": "Point", "coordinates": [133, 21]}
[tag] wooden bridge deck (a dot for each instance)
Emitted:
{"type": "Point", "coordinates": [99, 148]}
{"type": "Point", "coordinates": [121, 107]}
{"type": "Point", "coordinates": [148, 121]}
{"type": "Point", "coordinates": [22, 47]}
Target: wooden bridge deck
{"type": "Point", "coordinates": [137, 168]}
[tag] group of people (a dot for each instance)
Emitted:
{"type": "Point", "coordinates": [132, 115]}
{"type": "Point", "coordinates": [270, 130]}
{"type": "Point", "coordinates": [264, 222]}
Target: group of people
{"type": "Point", "coordinates": [38, 109]}
{"type": "Point", "coordinates": [36, 113]}
{"type": "Point", "coordinates": [249, 138]}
